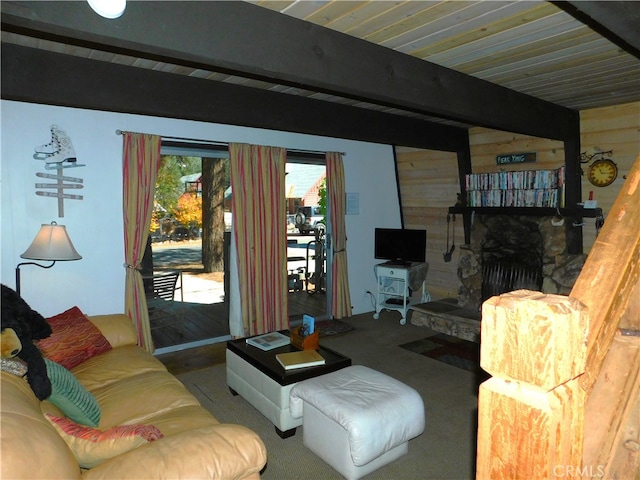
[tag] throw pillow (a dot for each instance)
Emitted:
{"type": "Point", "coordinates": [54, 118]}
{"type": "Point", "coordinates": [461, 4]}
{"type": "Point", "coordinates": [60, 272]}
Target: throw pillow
{"type": "Point", "coordinates": [71, 397]}
{"type": "Point", "coordinates": [74, 339]}
{"type": "Point", "coordinates": [91, 447]}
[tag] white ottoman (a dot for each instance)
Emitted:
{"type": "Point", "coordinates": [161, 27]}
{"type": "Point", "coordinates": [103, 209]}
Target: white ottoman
{"type": "Point", "coordinates": [357, 419]}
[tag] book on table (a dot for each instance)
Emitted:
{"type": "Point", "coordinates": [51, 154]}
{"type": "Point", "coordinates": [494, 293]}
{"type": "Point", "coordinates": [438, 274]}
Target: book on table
{"type": "Point", "coordinates": [269, 341]}
{"type": "Point", "coordinates": [301, 359]}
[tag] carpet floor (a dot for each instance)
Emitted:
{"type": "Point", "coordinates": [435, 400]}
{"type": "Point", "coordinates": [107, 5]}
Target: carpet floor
{"type": "Point", "coordinates": [446, 449]}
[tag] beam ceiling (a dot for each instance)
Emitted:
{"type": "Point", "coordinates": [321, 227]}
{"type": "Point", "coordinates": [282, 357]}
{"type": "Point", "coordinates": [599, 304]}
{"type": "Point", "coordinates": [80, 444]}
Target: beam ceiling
{"type": "Point", "coordinates": [250, 41]}
{"type": "Point", "coordinates": [119, 88]}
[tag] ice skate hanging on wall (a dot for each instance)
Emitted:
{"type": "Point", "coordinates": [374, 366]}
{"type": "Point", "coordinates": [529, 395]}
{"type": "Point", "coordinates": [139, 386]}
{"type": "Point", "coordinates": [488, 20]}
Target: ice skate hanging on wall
{"type": "Point", "coordinates": [58, 154]}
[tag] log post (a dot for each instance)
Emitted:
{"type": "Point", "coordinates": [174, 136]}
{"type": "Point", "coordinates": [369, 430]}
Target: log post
{"type": "Point", "coordinates": [531, 413]}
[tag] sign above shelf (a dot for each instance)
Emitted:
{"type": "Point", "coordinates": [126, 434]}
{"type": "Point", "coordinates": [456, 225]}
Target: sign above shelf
{"type": "Point", "coordinates": [510, 158]}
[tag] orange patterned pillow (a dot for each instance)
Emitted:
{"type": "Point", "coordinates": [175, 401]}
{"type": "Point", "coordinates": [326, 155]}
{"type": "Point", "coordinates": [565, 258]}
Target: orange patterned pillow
{"type": "Point", "coordinates": [91, 447]}
{"type": "Point", "coordinates": [74, 339]}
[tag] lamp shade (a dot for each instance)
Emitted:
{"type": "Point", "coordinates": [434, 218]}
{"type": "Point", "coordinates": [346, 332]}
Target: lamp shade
{"type": "Point", "coordinates": [108, 8]}
{"type": "Point", "coordinates": [52, 243]}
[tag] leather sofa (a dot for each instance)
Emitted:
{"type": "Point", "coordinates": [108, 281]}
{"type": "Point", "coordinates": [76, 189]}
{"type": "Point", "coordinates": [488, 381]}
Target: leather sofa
{"type": "Point", "coordinates": [131, 387]}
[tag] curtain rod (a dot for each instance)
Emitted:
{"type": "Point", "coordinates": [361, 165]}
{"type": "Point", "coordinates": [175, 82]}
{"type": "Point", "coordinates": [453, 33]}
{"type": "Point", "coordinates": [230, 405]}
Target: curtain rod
{"type": "Point", "coordinates": [226, 144]}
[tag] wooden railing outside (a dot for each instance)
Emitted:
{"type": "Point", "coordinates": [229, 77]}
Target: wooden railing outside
{"type": "Point", "coordinates": [563, 398]}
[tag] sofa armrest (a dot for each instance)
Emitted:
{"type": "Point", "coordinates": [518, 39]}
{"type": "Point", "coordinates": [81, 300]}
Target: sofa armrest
{"type": "Point", "coordinates": [118, 329]}
{"type": "Point", "coordinates": [225, 451]}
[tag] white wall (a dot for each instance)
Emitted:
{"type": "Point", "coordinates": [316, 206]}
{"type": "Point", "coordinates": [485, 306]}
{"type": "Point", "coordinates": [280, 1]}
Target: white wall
{"type": "Point", "coordinates": [96, 283]}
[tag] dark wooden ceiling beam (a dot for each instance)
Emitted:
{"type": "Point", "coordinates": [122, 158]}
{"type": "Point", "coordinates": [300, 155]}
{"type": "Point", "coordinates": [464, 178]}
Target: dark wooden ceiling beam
{"type": "Point", "coordinates": [247, 40]}
{"type": "Point", "coordinates": [27, 73]}
{"type": "Point", "coordinates": [617, 21]}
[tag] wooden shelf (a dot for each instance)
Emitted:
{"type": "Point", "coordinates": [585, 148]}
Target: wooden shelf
{"type": "Point", "coordinates": [578, 212]}
{"type": "Point", "coordinates": [574, 226]}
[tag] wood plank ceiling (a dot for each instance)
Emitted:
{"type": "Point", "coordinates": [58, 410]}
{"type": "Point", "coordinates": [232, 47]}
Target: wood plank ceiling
{"type": "Point", "coordinates": [532, 47]}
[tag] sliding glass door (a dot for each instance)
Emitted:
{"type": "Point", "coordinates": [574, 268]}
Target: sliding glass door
{"type": "Point", "coordinates": [192, 233]}
{"type": "Point", "coordinates": [307, 234]}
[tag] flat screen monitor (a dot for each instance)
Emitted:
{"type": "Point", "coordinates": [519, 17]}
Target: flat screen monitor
{"type": "Point", "coordinates": [400, 246]}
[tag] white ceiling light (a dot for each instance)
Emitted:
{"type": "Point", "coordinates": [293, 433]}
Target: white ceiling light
{"type": "Point", "coordinates": [108, 8]}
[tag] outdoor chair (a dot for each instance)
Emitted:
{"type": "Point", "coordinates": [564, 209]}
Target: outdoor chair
{"type": "Point", "coordinates": [160, 293]}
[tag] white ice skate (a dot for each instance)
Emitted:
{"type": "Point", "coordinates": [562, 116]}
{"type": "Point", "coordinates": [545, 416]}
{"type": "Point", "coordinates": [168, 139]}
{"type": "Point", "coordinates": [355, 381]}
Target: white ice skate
{"type": "Point", "coordinates": [48, 149]}
{"type": "Point", "coordinates": [59, 153]}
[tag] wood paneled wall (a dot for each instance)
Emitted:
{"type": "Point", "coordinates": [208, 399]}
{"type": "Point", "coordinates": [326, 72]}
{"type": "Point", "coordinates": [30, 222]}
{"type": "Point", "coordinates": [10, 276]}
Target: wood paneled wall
{"type": "Point", "coordinates": [613, 128]}
{"type": "Point", "coordinates": [429, 179]}
{"type": "Point", "coordinates": [428, 187]}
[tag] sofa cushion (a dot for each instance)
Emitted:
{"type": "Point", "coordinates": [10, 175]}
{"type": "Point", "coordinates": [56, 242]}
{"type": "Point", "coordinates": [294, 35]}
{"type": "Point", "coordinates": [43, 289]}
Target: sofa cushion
{"type": "Point", "coordinates": [92, 447]}
{"type": "Point", "coordinates": [117, 327]}
{"type": "Point", "coordinates": [116, 365]}
{"type": "Point", "coordinates": [147, 395]}
{"type": "Point", "coordinates": [74, 339]}
{"type": "Point", "coordinates": [23, 429]}
{"type": "Point", "coordinates": [182, 419]}
{"type": "Point", "coordinates": [71, 397]}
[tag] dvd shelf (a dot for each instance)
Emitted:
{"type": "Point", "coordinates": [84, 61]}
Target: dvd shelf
{"type": "Point", "coordinates": [528, 188]}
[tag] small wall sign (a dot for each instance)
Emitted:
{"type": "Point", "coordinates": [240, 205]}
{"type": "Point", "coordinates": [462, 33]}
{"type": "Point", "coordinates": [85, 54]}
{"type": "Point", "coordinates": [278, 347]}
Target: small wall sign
{"type": "Point", "coordinates": [353, 204]}
{"type": "Point", "coordinates": [509, 158]}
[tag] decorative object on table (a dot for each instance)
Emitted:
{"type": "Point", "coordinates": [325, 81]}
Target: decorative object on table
{"type": "Point", "coordinates": [304, 342]}
{"type": "Point", "coordinates": [308, 325]}
{"type": "Point", "coordinates": [269, 341]}
{"type": "Point", "coordinates": [305, 337]}
{"type": "Point", "coordinates": [301, 359]}
{"type": "Point", "coordinates": [58, 154]}
{"type": "Point", "coordinates": [20, 327]}
{"type": "Point", "coordinates": [52, 243]}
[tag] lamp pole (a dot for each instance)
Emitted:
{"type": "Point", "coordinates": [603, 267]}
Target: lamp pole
{"type": "Point", "coordinates": [28, 263]}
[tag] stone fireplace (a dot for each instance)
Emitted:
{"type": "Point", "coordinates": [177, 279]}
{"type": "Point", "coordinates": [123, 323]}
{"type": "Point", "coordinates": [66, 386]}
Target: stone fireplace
{"type": "Point", "coordinates": [509, 252]}
{"type": "Point", "coordinates": [506, 252]}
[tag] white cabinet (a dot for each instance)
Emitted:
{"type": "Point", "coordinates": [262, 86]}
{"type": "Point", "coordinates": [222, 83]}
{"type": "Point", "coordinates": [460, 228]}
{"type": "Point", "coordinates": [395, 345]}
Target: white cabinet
{"type": "Point", "coordinates": [395, 285]}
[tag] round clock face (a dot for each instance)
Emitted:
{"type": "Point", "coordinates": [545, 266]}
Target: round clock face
{"type": "Point", "coordinates": [602, 173]}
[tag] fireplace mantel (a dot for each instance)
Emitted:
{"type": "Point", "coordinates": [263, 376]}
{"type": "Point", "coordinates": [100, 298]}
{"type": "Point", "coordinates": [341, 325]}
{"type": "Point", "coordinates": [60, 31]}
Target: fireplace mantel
{"type": "Point", "coordinates": [572, 216]}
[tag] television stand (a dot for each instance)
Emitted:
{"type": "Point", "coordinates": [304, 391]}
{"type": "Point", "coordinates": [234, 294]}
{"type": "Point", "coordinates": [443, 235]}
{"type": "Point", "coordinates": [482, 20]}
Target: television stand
{"type": "Point", "coordinates": [397, 263]}
{"type": "Point", "coordinates": [395, 284]}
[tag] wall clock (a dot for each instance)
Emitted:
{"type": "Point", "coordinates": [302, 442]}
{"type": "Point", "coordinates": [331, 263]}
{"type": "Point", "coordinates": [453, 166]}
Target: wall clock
{"type": "Point", "coordinates": [602, 172]}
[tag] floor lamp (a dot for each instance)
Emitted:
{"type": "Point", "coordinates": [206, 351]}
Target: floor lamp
{"type": "Point", "coordinates": [52, 243]}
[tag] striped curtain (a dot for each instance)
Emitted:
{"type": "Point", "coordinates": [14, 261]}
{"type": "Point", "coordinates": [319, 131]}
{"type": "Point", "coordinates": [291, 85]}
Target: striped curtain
{"type": "Point", "coordinates": [141, 162]}
{"type": "Point", "coordinates": [259, 223]}
{"type": "Point", "coordinates": [340, 297]}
